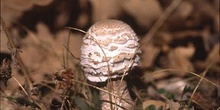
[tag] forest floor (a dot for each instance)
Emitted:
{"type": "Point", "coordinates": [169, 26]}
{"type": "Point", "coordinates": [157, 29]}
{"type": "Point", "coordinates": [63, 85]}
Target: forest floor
{"type": "Point", "coordinates": [179, 67]}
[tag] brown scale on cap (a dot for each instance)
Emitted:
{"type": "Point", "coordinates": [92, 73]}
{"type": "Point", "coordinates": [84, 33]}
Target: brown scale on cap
{"type": "Point", "coordinates": [109, 41]}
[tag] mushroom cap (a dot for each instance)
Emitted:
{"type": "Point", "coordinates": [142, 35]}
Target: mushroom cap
{"type": "Point", "coordinates": [110, 49]}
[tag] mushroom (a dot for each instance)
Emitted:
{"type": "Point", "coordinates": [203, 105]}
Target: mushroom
{"type": "Point", "coordinates": [110, 49]}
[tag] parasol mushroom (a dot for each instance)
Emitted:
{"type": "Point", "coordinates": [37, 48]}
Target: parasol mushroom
{"type": "Point", "coordinates": [110, 49]}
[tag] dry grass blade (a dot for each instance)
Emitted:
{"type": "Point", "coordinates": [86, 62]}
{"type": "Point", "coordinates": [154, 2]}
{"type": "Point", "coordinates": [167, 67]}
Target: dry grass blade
{"type": "Point", "coordinates": [98, 88]}
{"type": "Point", "coordinates": [165, 70]}
{"type": "Point", "coordinates": [70, 53]}
{"type": "Point", "coordinates": [22, 88]}
{"type": "Point", "coordinates": [109, 75]}
{"type": "Point", "coordinates": [3, 92]}
{"type": "Point", "coordinates": [80, 30]}
{"type": "Point", "coordinates": [43, 107]}
{"type": "Point", "coordinates": [203, 108]}
{"type": "Point", "coordinates": [66, 58]}
{"type": "Point", "coordinates": [201, 79]}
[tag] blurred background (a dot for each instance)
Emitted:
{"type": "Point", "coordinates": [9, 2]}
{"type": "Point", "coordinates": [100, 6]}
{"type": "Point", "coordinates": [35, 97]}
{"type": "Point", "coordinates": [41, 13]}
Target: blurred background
{"type": "Point", "coordinates": [176, 37]}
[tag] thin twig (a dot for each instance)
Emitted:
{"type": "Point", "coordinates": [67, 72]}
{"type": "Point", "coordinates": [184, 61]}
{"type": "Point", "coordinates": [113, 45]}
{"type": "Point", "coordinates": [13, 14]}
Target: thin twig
{"type": "Point", "coordinates": [160, 21]}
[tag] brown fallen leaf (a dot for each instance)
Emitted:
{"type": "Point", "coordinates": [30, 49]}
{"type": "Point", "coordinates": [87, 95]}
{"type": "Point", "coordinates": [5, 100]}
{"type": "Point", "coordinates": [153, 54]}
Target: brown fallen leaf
{"type": "Point", "coordinates": [172, 105]}
{"type": "Point", "coordinates": [13, 9]}
{"type": "Point", "coordinates": [106, 9]}
{"type": "Point", "coordinates": [155, 103]}
{"type": "Point", "coordinates": [42, 53]}
{"type": "Point", "coordinates": [144, 11]}
{"type": "Point", "coordinates": [179, 58]}
{"type": "Point", "coordinates": [149, 53]}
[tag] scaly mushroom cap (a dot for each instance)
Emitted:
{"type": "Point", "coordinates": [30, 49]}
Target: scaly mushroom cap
{"type": "Point", "coordinates": [110, 48]}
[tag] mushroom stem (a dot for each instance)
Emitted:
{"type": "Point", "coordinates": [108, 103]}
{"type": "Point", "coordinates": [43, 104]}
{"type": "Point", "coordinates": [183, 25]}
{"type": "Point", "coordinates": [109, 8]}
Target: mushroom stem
{"type": "Point", "coordinates": [123, 99]}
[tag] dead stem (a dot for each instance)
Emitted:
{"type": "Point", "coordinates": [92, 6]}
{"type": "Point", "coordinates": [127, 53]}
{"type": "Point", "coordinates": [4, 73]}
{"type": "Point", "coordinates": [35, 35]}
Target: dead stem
{"type": "Point", "coordinates": [18, 58]}
{"type": "Point", "coordinates": [66, 58]}
{"type": "Point", "coordinates": [160, 21]}
{"type": "Point", "coordinates": [20, 63]}
{"type": "Point", "coordinates": [3, 92]}
{"type": "Point", "coordinates": [22, 88]}
{"type": "Point", "coordinates": [164, 70]}
{"type": "Point", "coordinates": [121, 101]}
